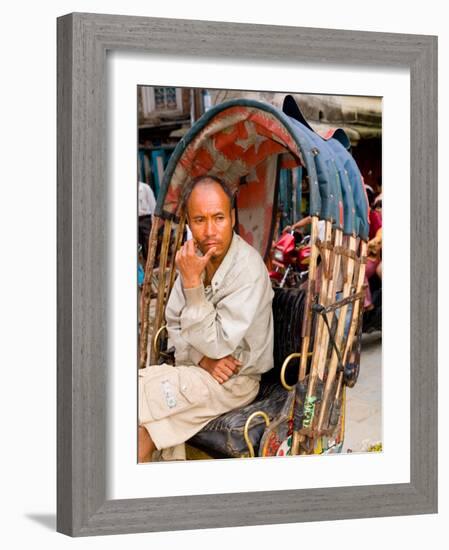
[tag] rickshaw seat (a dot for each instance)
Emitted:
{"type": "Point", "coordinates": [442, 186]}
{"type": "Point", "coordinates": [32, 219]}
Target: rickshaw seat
{"type": "Point", "coordinates": [223, 437]}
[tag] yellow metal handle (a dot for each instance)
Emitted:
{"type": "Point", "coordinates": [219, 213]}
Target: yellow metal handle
{"type": "Point", "coordinates": [284, 367]}
{"type": "Point", "coordinates": [156, 338]}
{"type": "Point", "coordinates": [245, 431]}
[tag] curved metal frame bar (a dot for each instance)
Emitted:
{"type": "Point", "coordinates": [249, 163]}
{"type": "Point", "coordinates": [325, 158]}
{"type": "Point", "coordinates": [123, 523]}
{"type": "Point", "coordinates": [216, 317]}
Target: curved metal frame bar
{"type": "Point", "coordinates": [284, 368]}
{"type": "Point", "coordinates": [156, 338]}
{"type": "Point", "coordinates": [246, 429]}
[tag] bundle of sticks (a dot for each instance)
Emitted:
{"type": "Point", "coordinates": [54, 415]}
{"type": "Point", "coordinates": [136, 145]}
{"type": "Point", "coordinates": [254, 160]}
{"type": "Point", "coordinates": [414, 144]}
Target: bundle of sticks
{"type": "Point", "coordinates": [325, 353]}
{"type": "Point", "coordinates": [153, 322]}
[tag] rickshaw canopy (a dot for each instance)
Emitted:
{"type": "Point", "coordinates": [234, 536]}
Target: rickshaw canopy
{"type": "Point", "coordinates": [246, 143]}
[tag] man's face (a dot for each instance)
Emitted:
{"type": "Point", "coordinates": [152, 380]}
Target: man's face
{"type": "Point", "coordinates": [210, 218]}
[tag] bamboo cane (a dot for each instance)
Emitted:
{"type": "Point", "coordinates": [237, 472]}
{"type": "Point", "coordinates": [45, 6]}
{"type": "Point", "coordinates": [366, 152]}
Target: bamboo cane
{"type": "Point", "coordinates": [359, 277]}
{"type": "Point", "coordinates": [161, 286]}
{"type": "Point", "coordinates": [358, 303]}
{"type": "Point", "coordinates": [324, 337]}
{"type": "Point", "coordinates": [178, 240]}
{"type": "Point", "coordinates": [338, 403]}
{"type": "Point", "coordinates": [146, 293]}
{"type": "Point", "coordinates": [307, 320]}
{"type": "Point", "coordinates": [334, 266]}
{"type": "Point", "coordinates": [309, 403]}
{"type": "Point", "coordinates": [332, 370]}
{"type": "Point", "coordinates": [311, 283]}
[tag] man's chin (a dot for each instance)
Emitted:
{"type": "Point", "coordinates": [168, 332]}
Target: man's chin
{"type": "Point", "coordinates": [209, 247]}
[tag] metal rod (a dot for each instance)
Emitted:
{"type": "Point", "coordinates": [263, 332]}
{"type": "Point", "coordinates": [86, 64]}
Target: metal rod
{"type": "Point", "coordinates": [246, 429]}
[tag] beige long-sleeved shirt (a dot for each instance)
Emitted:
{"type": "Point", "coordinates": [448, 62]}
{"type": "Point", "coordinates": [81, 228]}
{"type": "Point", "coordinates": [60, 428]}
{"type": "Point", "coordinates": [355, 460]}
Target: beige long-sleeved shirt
{"type": "Point", "coordinates": [231, 316]}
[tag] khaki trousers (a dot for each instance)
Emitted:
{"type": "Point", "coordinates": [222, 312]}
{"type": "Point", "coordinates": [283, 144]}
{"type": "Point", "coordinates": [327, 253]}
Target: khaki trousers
{"type": "Point", "coordinates": [177, 402]}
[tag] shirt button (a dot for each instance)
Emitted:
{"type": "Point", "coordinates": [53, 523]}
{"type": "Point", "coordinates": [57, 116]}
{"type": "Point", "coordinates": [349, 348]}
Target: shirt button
{"type": "Point", "coordinates": [184, 388]}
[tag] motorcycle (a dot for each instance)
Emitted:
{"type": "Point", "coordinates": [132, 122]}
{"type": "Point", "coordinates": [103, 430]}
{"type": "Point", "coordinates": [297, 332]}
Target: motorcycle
{"type": "Point", "coordinates": [290, 257]}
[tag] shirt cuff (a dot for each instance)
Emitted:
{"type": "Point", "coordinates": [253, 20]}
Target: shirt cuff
{"type": "Point", "coordinates": [195, 296]}
{"type": "Point", "coordinates": [195, 356]}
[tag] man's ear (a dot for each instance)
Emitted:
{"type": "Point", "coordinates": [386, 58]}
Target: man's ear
{"type": "Point", "coordinates": [233, 217]}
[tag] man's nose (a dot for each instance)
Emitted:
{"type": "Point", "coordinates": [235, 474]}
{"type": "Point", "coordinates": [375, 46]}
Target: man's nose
{"type": "Point", "coordinates": [210, 227]}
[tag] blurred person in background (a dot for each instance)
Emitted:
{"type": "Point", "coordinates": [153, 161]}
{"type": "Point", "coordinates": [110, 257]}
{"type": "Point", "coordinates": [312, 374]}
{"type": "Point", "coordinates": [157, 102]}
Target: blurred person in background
{"type": "Point", "coordinates": [374, 260]}
{"type": "Point", "coordinates": [147, 205]}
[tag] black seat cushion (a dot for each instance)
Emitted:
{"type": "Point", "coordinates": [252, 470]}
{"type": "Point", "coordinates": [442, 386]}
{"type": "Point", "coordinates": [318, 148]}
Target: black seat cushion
{"type": "Point", "coordinates": [288, 312]}
{"type": "Point", "coordinates": [223, 436]}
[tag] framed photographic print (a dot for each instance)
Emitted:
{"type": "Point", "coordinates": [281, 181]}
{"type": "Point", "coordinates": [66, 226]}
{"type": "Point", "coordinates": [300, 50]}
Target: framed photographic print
{"type": "Point", "coordinates": [116, 77]}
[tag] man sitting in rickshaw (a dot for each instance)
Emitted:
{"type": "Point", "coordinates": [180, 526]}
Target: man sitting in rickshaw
{"type": "Point", "coordinates": [219, 319]}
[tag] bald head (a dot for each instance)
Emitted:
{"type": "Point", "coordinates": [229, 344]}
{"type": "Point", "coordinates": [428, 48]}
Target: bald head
{"type": "Point", "coordinates": [205, 181]}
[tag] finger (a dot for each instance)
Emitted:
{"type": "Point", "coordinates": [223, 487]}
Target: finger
{"type": "Point", "coordinates": [233, 361]}
{"type": "Point", "coordinates": [225, 371]}
{"type": "Point", "coordinates": [190, 247]}
{"type": "Point", "coordinates": [232, 358]}
{"type": "Point", "coordinates": [237, 366]}
{"type": "Point", "coordinates": [209, 253]}
{"type": "Point", "coordinates": [178, 257]}
{"type": "Point", "coordinates": [230, 365]}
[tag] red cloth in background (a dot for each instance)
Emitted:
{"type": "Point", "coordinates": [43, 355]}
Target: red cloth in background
{"type": "Point", "coordinates": [375, 222]}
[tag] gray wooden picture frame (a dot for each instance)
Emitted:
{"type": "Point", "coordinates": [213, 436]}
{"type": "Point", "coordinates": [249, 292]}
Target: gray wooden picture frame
{"type": "Point", "coordinates": [83, 41]}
